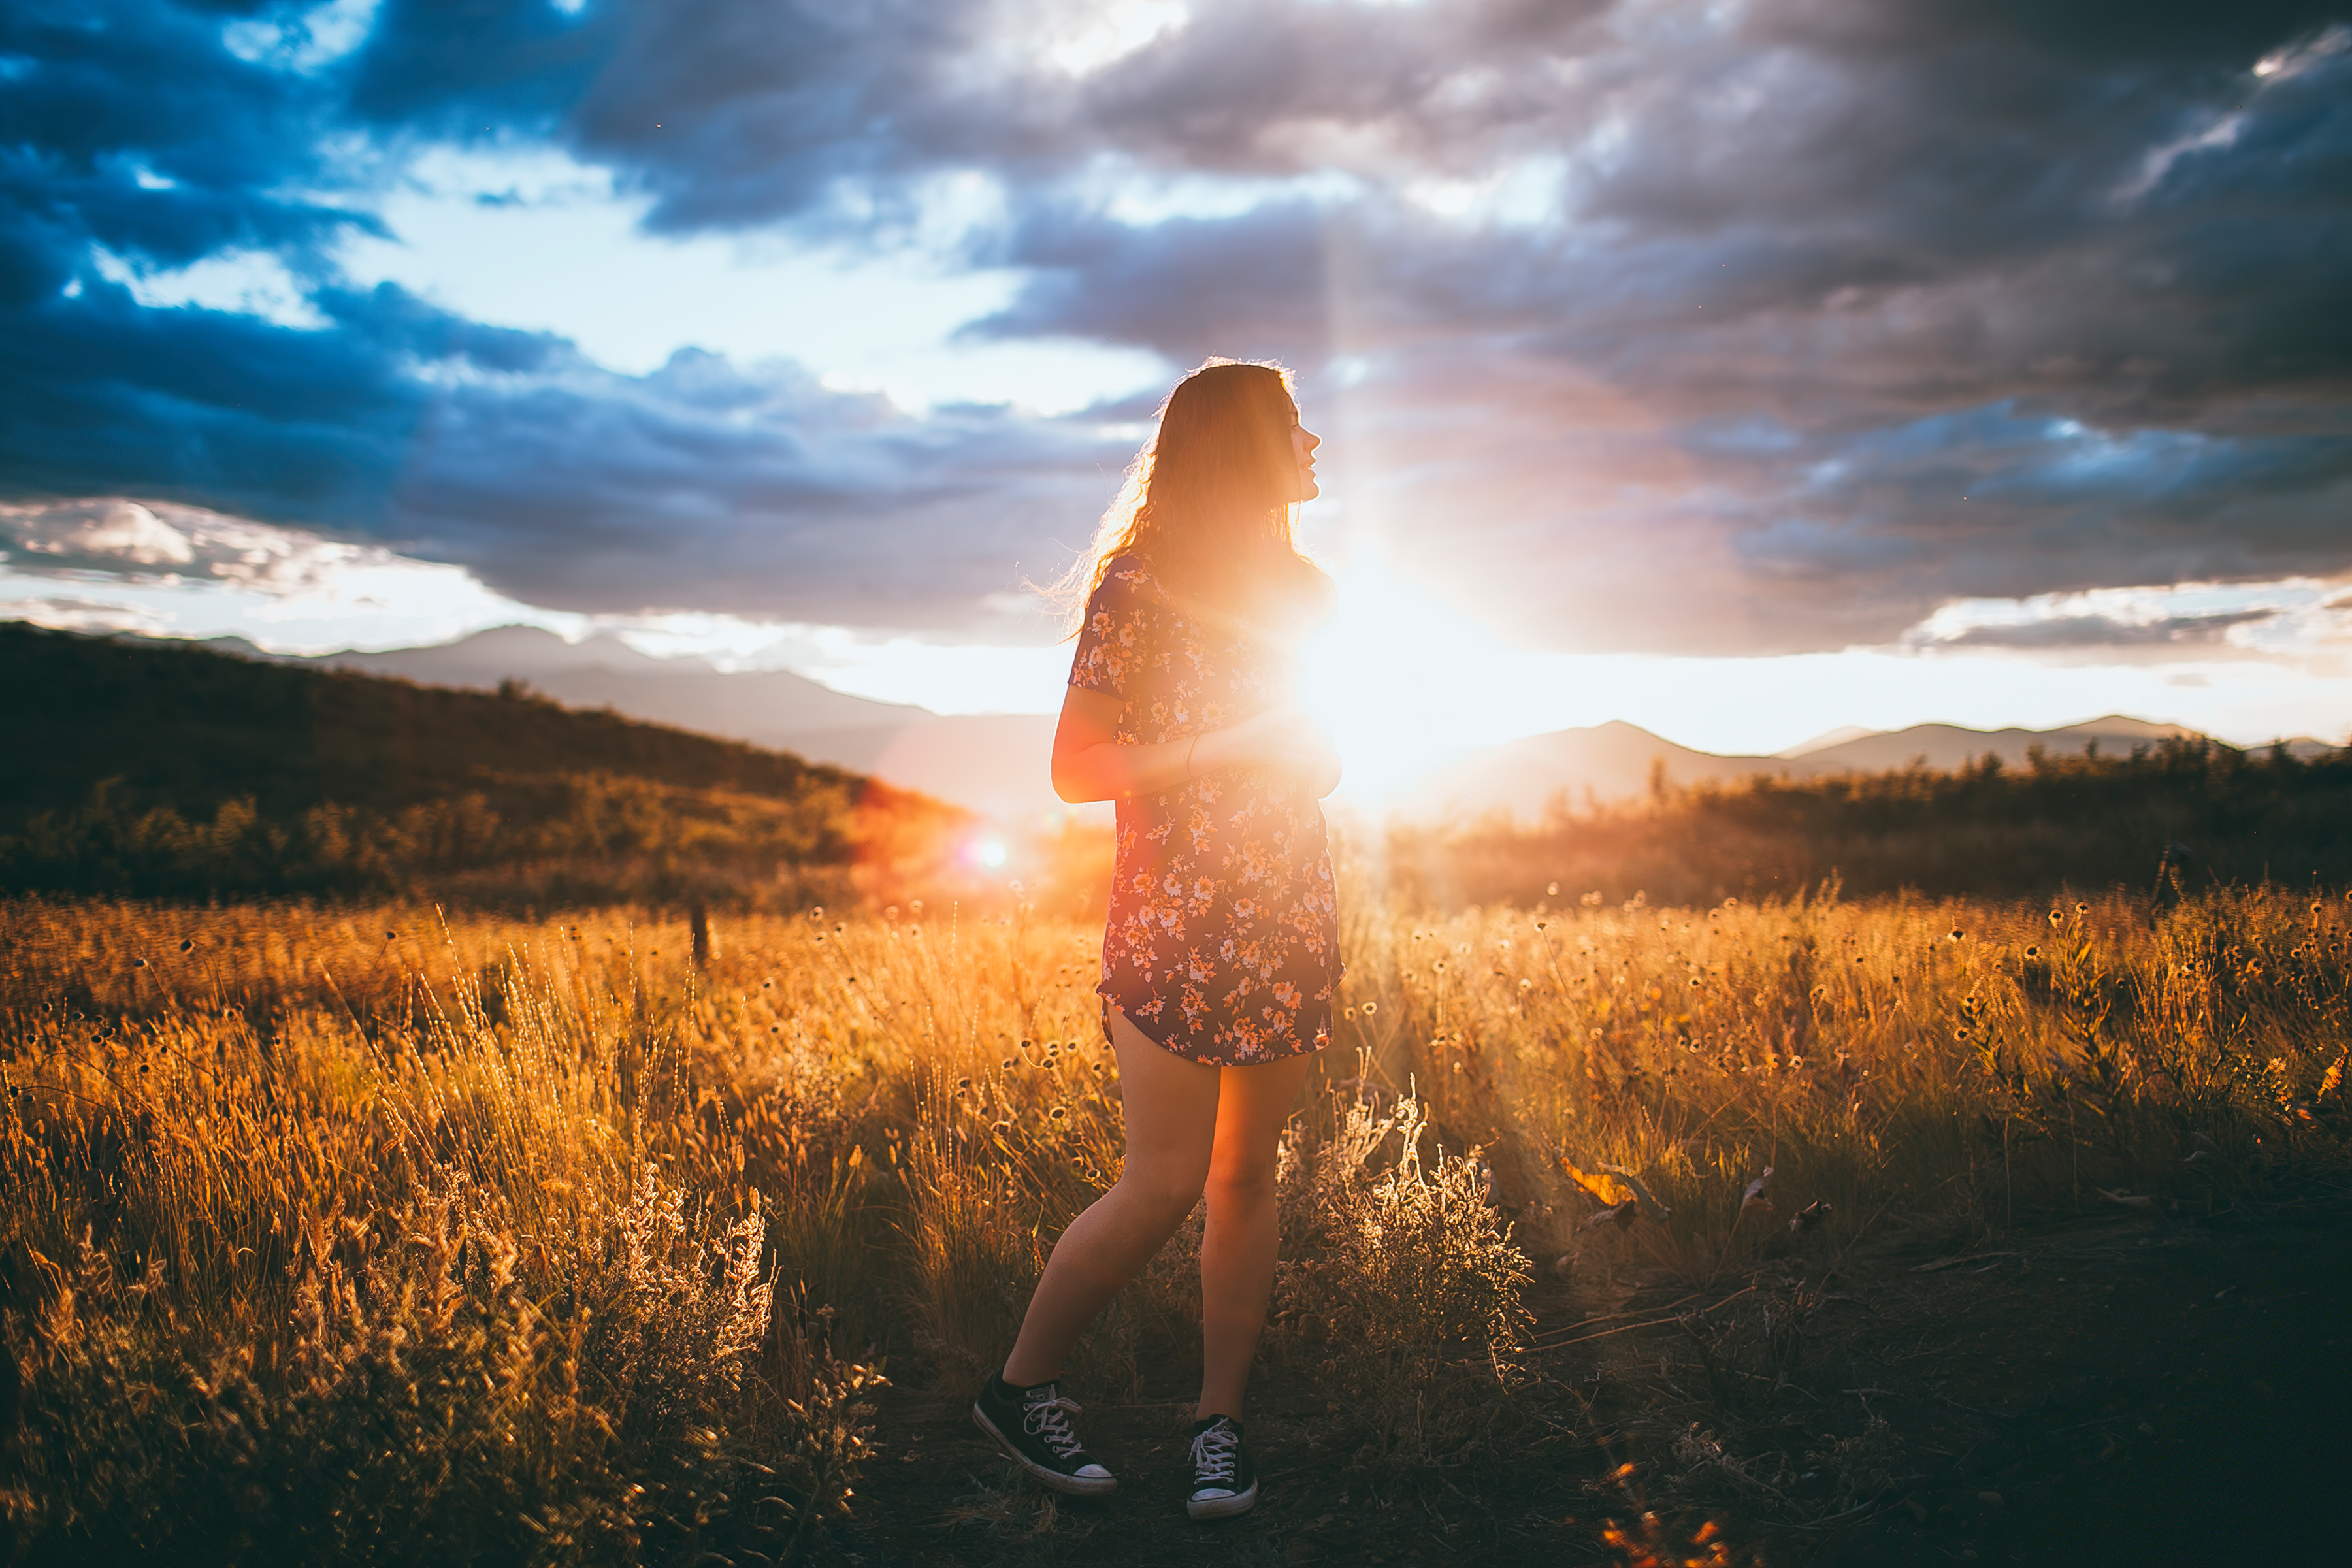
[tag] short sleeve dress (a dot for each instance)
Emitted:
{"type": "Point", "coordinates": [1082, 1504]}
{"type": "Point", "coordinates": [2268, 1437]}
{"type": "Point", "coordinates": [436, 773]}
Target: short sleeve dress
{"type": "Point", "coordinates": [1223, 944]}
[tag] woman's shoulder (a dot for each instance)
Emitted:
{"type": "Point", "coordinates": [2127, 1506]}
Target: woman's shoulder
{"type": "Point", "coordinates": [1127, 581]}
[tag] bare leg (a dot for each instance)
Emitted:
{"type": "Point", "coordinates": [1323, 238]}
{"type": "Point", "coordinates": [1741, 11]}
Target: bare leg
{"type": "Point", "coordinates": [1237, 1252]}
{"type": "Point", "coordinates": [1171, 1110]}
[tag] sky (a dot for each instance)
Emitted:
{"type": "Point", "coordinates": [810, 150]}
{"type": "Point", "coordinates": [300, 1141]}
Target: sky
{"type": "Point", "coordinates": [1741, 370]}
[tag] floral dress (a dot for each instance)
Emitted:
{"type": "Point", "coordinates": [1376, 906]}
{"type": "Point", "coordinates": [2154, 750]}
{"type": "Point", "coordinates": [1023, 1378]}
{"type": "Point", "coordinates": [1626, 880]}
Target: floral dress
{"type": "Point", "coordinates": [1224, 938]}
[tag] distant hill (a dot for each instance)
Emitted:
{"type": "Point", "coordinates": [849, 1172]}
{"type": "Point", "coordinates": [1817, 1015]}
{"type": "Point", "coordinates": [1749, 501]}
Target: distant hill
{"type": "Point", "coordinates": [1954, 746]}
{"type": "Point", "coordinates": [996, 765]}
{"type": "Point", "coordinates": [767, 707]}
{"type": "Point", "coordinates": [1615, 762]}
{"type": "Point", "coordinates": [142, 765]}
{"type": "Point", "coordinates": [1605, 762]}
{"type": "Point", "coordinates": [992, 764]}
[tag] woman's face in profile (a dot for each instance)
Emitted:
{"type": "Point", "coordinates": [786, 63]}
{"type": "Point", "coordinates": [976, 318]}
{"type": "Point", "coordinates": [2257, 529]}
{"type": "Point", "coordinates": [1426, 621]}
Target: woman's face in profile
{"type": "Point", "coordinates": [1303, 442]}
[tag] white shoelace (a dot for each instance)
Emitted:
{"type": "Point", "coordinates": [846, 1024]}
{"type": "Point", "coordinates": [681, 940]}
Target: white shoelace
{"type": "Point", "coordinates": [1214, 1455]}
{"type": "Point", "coordinates": [1050, 1420]}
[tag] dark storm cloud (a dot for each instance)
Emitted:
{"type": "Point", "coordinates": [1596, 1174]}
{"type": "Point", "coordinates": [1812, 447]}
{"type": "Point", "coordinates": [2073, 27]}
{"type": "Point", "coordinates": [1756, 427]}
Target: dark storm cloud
{"type": "Point", "coordinates": [701, 486]}
{"type": "Point", "coordinates": [1254, 283]}
{"type": "Point", "coordinates": [556, 481]}
{"type": "Point", "coordinates": [1757, 327]}
{"type": "Point", "coordinates": [2106, 632]}
{"type": "Point", "coordinates": [130, 126]}
{"type": "Point", "coordinates": [704, 486]}
{"type": "Point", "coordinates": [2016, 301]}
{"type": "Point", "coordinates": [736, 114]}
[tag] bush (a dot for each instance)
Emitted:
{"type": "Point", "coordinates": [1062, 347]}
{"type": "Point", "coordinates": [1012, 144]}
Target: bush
{"type": "Point", "coordinates": [1404, 1264]}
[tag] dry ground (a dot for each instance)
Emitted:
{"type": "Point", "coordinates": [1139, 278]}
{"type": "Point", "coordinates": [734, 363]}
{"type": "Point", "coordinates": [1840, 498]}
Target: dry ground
{"type": "Point", "coordinates": [2114, 1388]}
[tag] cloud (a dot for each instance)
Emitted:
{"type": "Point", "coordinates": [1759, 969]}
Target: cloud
{"type": "Point", "coordinates": [116, 538]}
{"type": "Point", "coordinates": [2185, 632]}
{"type": "Point", "coordinates": [68, 613]}
{"type": "Point", "coordinates": [1754, 328]}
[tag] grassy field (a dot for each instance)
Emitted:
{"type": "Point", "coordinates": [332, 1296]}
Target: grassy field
{"type": "Point", "coordinates": [351, 1235]}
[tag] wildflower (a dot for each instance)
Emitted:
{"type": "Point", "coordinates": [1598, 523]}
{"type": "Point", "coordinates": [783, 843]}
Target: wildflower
{"type": "Point", "coordinates": [1058, 1113]}
{"type": "Point", "coordinates": [1008, 1064]}
{"type": "Point", "coordinates": [1958, 933]}
{"type": "Point", "coordinates": [963, 1083]}
{"type": "Point", "coordinates": [138, 963]}
{"type": "Point", "coordinates": [1530, 984]}
{"type": "Point", "coordinates": [188, 946]}
{"type": "Point", "coordinates": [2055, 917]}
{"type": "Point", "coordinates": [2081, 909]}
{"type": "Point", "coordinates": [1551, 889]}
{"type": "Point", "coordinates": [1370, 1008]}
{"type": "Point", "coordinates": [1347, 1013]}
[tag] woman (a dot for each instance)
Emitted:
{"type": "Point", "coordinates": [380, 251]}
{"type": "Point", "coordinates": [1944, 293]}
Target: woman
{"type": "Point", "coordinates": [1221, 956]}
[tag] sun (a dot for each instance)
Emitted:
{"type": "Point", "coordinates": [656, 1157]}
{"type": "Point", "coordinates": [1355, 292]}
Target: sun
{"type": "Point", "coordinates": [1402, 682]}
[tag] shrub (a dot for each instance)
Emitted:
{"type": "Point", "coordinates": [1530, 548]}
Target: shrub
{"type": "Point", "coordinates": [1402, 1261]}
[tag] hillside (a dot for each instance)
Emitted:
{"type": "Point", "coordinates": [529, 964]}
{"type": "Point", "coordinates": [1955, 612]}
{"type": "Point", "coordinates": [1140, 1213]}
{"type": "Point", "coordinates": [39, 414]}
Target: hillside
{"type": "Point", "coordinates": [168, 768]}
{"type": "Point", "coordinates": [992, 764]}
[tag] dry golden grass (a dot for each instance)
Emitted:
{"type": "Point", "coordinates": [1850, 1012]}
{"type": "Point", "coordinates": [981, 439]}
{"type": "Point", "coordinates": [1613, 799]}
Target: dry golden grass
{"type": "Point", "coordinates": [353, 1235]}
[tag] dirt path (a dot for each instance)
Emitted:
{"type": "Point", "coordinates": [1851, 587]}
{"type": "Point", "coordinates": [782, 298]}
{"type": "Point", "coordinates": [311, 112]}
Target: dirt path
{"type": "Point", "coordinates": [2120, 1388]}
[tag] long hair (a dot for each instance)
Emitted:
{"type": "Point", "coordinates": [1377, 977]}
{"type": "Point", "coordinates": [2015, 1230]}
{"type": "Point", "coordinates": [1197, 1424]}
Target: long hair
{"type": "Point", "coordinates": [1207, 504]}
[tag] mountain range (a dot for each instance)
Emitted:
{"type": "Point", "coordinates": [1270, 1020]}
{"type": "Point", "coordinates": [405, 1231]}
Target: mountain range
{"type": "Point", "coordinates": [1611, 762]}
{"type": "Point", "coordinates": [996, 763]}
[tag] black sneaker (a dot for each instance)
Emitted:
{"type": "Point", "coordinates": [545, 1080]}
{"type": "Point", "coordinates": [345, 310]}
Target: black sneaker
{"type": "Point", "coordinates": [1033, 1426]}
{"type": "Point", "coordinates": [1224, 1482]}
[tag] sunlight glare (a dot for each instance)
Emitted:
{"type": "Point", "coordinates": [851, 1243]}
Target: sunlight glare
{"type": "Point", "coordinates": [1402, 681]}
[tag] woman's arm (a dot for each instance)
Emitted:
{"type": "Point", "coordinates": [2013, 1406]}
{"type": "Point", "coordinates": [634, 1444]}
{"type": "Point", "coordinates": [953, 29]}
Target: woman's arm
{"type": "Point", "coordinates": [1090, 765]}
